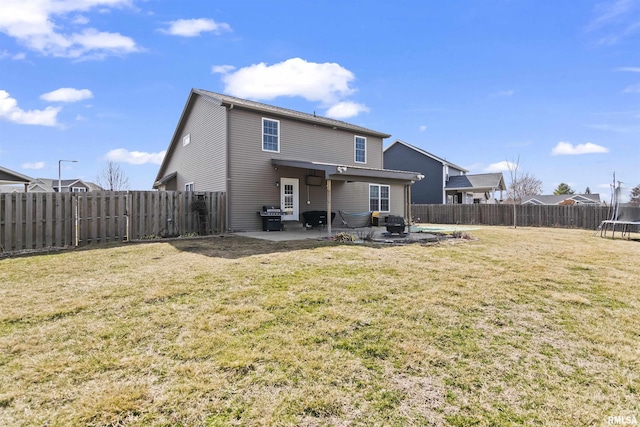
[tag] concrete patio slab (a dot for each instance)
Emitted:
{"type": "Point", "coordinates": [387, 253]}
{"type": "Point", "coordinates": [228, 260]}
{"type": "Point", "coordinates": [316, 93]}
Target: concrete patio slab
{"type": "Point", "coordinates": [379, 234]}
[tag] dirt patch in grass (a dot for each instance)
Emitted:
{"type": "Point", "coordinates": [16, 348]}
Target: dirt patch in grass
{"type": "Point", "coordinates": [525, 326]}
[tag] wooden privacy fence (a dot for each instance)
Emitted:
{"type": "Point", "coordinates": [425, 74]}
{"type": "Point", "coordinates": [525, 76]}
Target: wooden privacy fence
{"type": "Point", "coordinates": [581, 216]}
{"type": "Point", "coordinates": [32, 221]}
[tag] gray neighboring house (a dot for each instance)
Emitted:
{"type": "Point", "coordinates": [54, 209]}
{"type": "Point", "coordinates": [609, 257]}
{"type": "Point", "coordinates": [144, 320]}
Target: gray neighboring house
{"type": "Point", "coordinates": [563, 199]}
{"type": "Point", "coordinates": [46, 185]}
{"type": "Point", "coordinates": [263, 155]}
{"type": "Point", "coordinates": [444, 182]}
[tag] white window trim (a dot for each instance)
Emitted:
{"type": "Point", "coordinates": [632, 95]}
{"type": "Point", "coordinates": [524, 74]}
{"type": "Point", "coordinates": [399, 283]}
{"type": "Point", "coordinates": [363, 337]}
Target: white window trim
{"type": "Point", "coordinates": [355, 149]}
{"type": "Point", "coordinates": [262, 133]}
{"type": "Point", "coordinates": [78, 190]}
{"type": "Point", "coordinates": [190, 184]}
{"type": "Point", "coordinates": [379, 196]}
{"type": "Point", "coordinates": [186, 140]}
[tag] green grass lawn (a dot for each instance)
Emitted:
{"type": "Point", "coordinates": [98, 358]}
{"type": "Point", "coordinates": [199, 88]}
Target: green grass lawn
{"type": "Point", "coordinates": [524, 326]}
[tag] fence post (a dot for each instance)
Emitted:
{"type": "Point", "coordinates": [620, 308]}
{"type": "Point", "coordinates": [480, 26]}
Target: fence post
{"type": "Point", "coordinates": [76, 217]}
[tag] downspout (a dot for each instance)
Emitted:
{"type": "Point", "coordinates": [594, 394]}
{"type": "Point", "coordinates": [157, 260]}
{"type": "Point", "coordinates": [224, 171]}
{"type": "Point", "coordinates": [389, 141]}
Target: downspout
{"type": "Point", "coordinates": [444, 185]}
{"type": "Point", "coordinates": [408, 196]}
{"type": "Point", "coordinates": [329, 231]}
{"type": "Point", "coordinates": [228, 174]}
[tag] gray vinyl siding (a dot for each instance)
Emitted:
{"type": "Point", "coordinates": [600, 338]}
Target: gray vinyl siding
{"type": "Point", "coordinates": [354, 197]}
{"type": "Point", "coordinates": [253, 178]}
{"type": "Point", "coordinates": [301, 141]}
{"type": "Point", "coordinates": [349, 197]}
{"type": "Point", "coordinates": [430, 189]}
{"type": "Point", "coordinates": [203, 161]}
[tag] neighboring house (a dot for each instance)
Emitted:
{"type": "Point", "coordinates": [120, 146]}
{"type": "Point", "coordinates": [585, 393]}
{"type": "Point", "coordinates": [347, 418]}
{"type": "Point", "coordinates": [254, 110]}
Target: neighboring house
{"type": "Point", "coordinates": [11, 181]}
{"type": "Point", "coordinates": [46, 185]}
{"type": "Point", "coordinates": [562, 199]}
{"type": "Point", "coordinates": [92, 186]}
{"type": "Point", "coordinates": [262, 155]}
{"type": "Point", "coordinates": [484, 188]}
{"type": "Point", "coordinates": [444, 182]}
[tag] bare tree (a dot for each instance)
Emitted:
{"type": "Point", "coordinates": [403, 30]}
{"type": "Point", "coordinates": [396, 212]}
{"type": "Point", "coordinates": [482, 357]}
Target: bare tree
{"type": "Point", "coordinates": [521, 184]}
{"type": "Point", "coordinates": [512, 190]}
{"type": "Point", "coordinates": [112, 177]}
{"type": "Point", "coordinates": [526, 185]}
{"type": "Point", "coordinates": [634, 197]}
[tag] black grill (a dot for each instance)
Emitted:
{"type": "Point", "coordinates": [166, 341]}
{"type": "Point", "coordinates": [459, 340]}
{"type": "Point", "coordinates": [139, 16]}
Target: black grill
{"type": "Point", "coordinates": [395, 224]}
{"type": "Point", "coordinates": [271, 218]}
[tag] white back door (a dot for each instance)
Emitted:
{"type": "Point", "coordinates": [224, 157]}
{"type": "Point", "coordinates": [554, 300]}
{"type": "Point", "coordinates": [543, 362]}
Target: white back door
{"type": "Point", "coordinates": [289, 199]}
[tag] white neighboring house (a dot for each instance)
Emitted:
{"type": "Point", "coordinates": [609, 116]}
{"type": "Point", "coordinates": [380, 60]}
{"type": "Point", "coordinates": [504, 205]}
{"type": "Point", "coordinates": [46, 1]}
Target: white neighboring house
{"type": "Point", "coordinates": [563, 199]}
{"type": "Point", "coordinates": [46, 185]}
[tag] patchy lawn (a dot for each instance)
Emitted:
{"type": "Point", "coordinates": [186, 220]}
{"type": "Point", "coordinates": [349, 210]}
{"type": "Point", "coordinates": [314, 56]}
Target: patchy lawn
{"type": "Point", "coordinates": [527, 326]}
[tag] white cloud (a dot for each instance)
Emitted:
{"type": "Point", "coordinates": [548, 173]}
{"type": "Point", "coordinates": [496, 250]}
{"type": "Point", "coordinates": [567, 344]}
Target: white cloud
{"type": "Point", "coordinates": [134, 157]}
{"type": "Point", "coordinates": [629, 69]}
{"type": "Point", "coordinates": [34, 165]}
{"type": "Point", "coordinates": [632, 89]}
{"type": "Point", "coordinates": [195, 27]}
{"type": "Point", "coordinates": [346, 109]}
{"type": "Point", "coordinates": [614, 20]}
{"type": "Point", "coordinates": [610, 128]}
{"type": "Point", "coordinates": [502, 166]}
{"type": "Point", "coordinates": [16, 56]}
{"type": "Point", "coordinates": [326, 82]}
{"type": "Point", "coordinates": [80, 20]}
{"type": "Point", "coordinates": [422, 128]}
{"type": "Point", "coordinates": [222, 69]}
{"type": "Point", "coordinates": [10, 111]}
{"type": "Point", "coordinates": [502, 93]}
{"type": "Point", "coordinates": [67, 94]}
{"type": "Point", "coordinates": [40, 26]}
{"type": "Point", "coordinates": [566, 148]}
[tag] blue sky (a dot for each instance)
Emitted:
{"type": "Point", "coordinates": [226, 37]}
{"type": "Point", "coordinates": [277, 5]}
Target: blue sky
{"type": "Point", "coordinates": [480, 83]}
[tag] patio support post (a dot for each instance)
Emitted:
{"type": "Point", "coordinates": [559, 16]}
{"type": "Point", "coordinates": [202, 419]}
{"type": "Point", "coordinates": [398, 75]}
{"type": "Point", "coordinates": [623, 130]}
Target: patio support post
{"type": "Point", "coordinates": [329, 207]}
{"type": "Point", "coordinates": [408, 196]}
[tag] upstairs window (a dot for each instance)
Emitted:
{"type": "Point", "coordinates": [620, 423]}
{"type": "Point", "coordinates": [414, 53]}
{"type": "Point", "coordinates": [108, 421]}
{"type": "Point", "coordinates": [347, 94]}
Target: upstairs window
{"type": "Point", "coordinates": [270, 135]}
{"type": "Point", "coordinates": [379, 198]}
{"type": "Point", "coordinates": [189, 186]}
{"type": "Point", "coordinates": [360, 149]}
{"type": "Point", "coordinates": [186, 139]}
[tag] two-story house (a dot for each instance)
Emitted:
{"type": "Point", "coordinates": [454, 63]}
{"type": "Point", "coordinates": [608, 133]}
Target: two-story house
{"type": "Point", "coordinates": [263, 155]}
{"type": "Point", "coordinates": [47, 185]}
{"type": "Point", "coordinates": [445, 182]}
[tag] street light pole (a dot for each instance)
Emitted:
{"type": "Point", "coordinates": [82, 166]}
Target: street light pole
{"type": "Point", "coordinates": [60, 175]}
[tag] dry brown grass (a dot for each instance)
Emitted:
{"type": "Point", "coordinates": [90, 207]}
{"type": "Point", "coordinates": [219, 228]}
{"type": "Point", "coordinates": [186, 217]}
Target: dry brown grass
{"type": "Point", "coordinates": [527, 326]}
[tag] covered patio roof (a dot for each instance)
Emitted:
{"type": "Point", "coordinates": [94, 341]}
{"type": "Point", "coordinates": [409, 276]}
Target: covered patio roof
{"type": "Point", "coordinates": [8, 176]}
{"type": "Point", "coordinates": [337, 172]}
